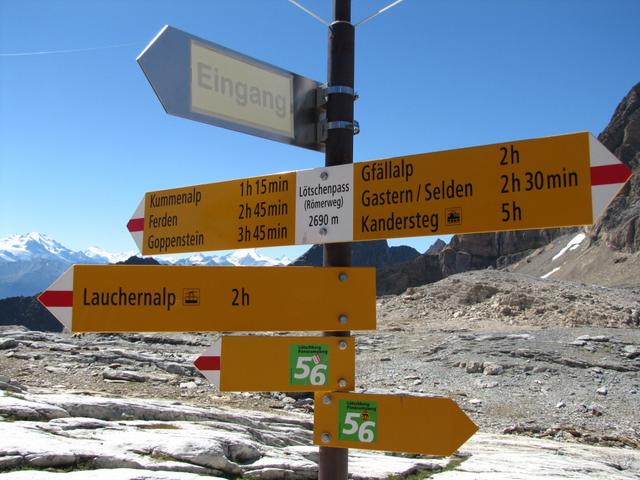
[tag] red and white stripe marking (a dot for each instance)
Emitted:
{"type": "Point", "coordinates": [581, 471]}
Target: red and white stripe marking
{"type": "Point", "coordinates": [58, 298]}
{"type": "Point", "coordinates": [209, 363]}
{"type": "Point", "coordinates": [608, 175]}
{"type": "Point", "coordinates": [136, 225]}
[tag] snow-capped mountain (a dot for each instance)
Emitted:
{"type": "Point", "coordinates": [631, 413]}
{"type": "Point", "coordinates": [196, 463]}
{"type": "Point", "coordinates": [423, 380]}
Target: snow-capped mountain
{"type": "Point", "coordinates": [250, 256]}
{"type": "Point", "coordinates": [244, 257]}
{"type": "Point", "coordinates": [20, 248]}
{"type": "Point", "coordinates": [102, 256]}
{"type": "Point", "coordinates": [30, 263]}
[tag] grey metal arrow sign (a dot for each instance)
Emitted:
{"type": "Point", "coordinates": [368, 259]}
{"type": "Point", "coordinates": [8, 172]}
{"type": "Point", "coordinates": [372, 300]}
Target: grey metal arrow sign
{"type": "Point", "coordinates": [202, 81]}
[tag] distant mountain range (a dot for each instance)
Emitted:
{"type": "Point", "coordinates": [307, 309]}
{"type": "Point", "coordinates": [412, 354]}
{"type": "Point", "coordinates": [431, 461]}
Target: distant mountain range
{"type": "Point", "coordinates": [30, 263]}
{"type": "Point", "coordinates": [35, 246]}
{"type": "Point", "coordinates": [240, 258]}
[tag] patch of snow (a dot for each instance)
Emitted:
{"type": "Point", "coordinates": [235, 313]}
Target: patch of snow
{"type": "Point", "coordinates": [572, 245]}
{"type": "Point", "coordinates": [98, 254]}
{"type": "Point", "coordinates": [550, 273]}
{"type": "Point", "coordinates": [249, 257]}
{"type": "Point", "coordinates": [198, 259]}
{"type": "Point", "coordinates": [284, 260]}
{"type": "Point", "coordinates": [238, 258]}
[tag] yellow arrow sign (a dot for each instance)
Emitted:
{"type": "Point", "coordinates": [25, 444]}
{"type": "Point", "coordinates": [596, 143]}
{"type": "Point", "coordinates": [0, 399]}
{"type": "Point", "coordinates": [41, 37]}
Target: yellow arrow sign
{"type": "Point", "coordinates": [284, 364]}
{"type": "Point", "coordinates": [397, 423]}
{"type": "Point", "coordinates": [251, 212]}
{"type": "Point", "coordinates": [160, 298]}
{"type": "Point", "coordinates": [547, 182]}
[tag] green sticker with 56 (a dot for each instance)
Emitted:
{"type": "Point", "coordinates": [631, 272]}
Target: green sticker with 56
{"type": "Point", "coordinates": [308, 364]}
{"type": "Point", "coordinates": [358, 421]}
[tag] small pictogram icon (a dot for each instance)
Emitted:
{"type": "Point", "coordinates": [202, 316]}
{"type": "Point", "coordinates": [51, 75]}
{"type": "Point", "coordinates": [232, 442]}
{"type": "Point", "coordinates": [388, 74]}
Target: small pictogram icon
{"type": "Point", "coordinates": [453, 216]}
{"type": "Point", "coordinates": [191, 296]}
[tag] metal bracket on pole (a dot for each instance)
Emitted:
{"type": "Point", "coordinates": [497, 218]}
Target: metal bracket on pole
{"type": "Point", "coordinates": [323, 92]}
{"type": "Point", "coordinates": [323, 128]}
{"type": "Point", "coordinates": [355, 126]}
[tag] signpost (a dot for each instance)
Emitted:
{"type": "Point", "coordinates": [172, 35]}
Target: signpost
{"type": "Point", "coordinates": [508, 186]}
{"type": "Point", "coordinates": [160, 298]}
{"type": "Point", "coordinates": [284, 364]}
{"type": "Point", "coordinates": [398, 423]}
{"type": "Point", "coordinates": [206, 82]}
{"type": "Point", "coordinates": [541, 183]}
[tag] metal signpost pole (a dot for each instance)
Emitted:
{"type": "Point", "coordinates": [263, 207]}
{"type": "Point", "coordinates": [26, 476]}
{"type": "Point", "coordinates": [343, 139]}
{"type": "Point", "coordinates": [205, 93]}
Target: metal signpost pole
{"type": "Point", "coordinates": [339, 151]}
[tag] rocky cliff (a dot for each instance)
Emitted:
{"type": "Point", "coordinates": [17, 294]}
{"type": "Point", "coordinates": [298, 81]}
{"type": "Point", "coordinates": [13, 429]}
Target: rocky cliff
{"type": "Point", "coordinates": [27, 311]}
{"type": "Point", "coordinates": [497, 250]}
{"type": "Point", "coordinates": [377, 254]}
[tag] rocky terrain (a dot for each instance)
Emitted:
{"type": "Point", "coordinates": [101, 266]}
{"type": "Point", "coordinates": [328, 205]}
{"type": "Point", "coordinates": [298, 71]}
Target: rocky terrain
{"type": "Point", "coordinates": [543, 358]}
{"type": "Point", "coordinates": [583, 260]}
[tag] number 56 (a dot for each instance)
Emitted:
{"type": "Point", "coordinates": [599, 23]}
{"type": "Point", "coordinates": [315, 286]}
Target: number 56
{"type": "Point", "coordinates": [317, 375]}
{"type": "Point", "coordinates": [365, 430]}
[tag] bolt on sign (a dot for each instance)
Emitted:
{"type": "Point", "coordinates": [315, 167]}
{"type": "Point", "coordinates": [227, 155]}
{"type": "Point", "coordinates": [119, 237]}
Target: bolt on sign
{"type": "Point", "coordinates": [398, 422]}
{"type": "Point", "coordinates": [169, 298]}
{"type": "Point", "coordinates": [283, 364]}
{"type": "Point", "coordinates": [206, 82]}
{"type": "Point", "coordinates": [508, 186]}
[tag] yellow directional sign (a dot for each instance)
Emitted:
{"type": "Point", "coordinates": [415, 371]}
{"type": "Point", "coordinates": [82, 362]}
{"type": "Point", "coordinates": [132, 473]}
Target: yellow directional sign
{"type": "Point", "coordinates": [396, 423]}
{"type": "Point", "coordinates": [252, 212]}
{"type": "Point", "coordinates": [528, 184]}
{"type": "Point", "coordinates": [542, 183]}
{"type": "Point", "coordinates": [284, 364]}
{"type": "Point", "coordinates": [161, 298]}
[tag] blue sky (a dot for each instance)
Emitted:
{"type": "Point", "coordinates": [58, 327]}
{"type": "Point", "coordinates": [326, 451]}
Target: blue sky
{"type": "Point", "coordinates": [83, 136]}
